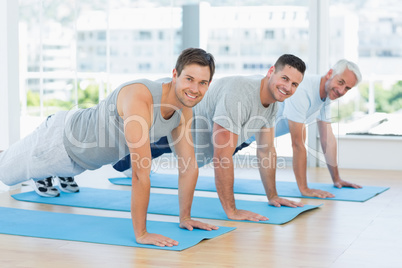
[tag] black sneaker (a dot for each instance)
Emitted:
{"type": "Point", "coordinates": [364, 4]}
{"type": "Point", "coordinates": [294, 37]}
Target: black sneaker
{"type": "Point", "coordinates": [68, 185]}
{"type": "Point", "coordinates": [45, 187]}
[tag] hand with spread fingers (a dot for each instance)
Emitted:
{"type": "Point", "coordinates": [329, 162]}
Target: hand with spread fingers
{"type": "Point", "coordinates": [245, 215]}
{"type": "Point", "coordinates": [157, 240]}
{"type": "Point", "coordinates": [279, 201]}
{"type": "Point", "coordinates": [316, 193]}
{"type": "Point", "coordinates": [190, 224]}
{"type": "Point", "coordinates": [341, 183]}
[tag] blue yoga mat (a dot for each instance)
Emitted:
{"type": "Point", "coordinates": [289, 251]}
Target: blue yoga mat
{"type": "Point", "coordinates": [255, 187]}
{"type": "Point", "coordinates": [166, 204]}
{"type": "Point", "coordinates": [94, 229]}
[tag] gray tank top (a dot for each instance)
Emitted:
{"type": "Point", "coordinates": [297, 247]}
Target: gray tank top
{"type": "Point", "coordinates": [94, 137]}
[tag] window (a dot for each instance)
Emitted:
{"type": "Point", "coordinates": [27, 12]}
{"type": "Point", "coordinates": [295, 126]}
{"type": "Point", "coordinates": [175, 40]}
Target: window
{"type": "Point", "coordinates": [70, 44]}
{"type": "Point", "coordinates": [269, 34]}
{"type": "Point", "coordinates": [366, 34]}
{"type": "Point", "coordinates": [101, 36]}
{"type": "Point", "coordinates": [145, 35]}
{"type": "Point", "coordinates": [101, 51]}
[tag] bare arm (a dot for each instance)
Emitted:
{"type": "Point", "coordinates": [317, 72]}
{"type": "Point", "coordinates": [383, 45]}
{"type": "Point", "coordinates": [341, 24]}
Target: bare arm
{"type": "Point", "coordinates": [329, 147]}
{"type": "Point", "coordinates": [298, 136]}
{"type": "Point", "coordinates": [224, 145]}
{"type": "Point", "coordinates": [135, 107]}
{"type": "Point", "coordinates": [266, 155]}
{"type": "Point", "coordinates": [188, 172]}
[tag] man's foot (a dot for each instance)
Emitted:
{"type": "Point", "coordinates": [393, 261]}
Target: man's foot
{"type": "Point", "coordinates": [45, 187]}
{"type": "Point", "coordinates": [68, 184]}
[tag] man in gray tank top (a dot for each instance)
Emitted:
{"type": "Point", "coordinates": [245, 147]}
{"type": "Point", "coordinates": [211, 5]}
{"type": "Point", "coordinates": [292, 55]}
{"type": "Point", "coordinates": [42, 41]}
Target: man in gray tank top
{"type": "Point", "coordinates": [126, 122]}
{"type": "Point", "coordinates": [234, 110]}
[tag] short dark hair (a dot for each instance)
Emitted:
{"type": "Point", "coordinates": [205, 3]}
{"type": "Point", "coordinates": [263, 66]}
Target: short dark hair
{"type": "Point", "coordinates": [291, 60]}
{"type": "Point", "coordinates": [195, 56]}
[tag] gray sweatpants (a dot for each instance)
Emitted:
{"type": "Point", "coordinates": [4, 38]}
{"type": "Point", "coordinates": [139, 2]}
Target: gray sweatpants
{"type": "Point", "coordinates": [39, 155]}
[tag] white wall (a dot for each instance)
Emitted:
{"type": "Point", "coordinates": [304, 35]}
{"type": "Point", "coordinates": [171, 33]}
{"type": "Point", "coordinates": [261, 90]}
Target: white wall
{"type": "Point", "coordinates": [370, 152]}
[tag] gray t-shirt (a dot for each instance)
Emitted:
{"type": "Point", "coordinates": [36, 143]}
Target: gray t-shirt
{"type": "Point", "coordinates": [235, 104]}
{"type": "Point", "coordinates": [94, 137]}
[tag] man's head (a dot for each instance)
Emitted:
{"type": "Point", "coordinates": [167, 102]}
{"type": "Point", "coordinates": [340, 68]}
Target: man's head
{"type": "Point", "coordinates": [285, 76]}
{"type": "Point", "coordinates": [197, 56]}
{"type": "Point", "coordinates": [292, 61]}
{"type": "Point", "coordinates": [342, 77]}
{"type": "Point", "coordinates": [192, 75]}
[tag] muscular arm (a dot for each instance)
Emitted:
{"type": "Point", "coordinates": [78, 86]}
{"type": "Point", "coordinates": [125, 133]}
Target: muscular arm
{"type": "Point", "coordinates": [188, 171]}
{"type": "Point", "coordinates": [224, 143]}
{"type": "Point", "coordinates": [135, 107]}
{"type": "Point", "coordinates": [266, 155]}
{"type": "Point", "coordinates": [298, 136]}
{"type": "Point", "coordinates": [329, 147]}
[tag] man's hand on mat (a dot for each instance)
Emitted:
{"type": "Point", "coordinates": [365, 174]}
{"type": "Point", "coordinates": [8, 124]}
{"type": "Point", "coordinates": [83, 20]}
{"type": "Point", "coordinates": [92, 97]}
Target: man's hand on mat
{"type": "Point", "coordinates": [316, 193]}
{"type": "Point", "coordinates": [245, 215]}
{"type": "Point", "coordinates": [190, 224]}
{"type": "Point", "coordinates": [157, 240]}
{"type": "Point", "coordinates": [279, 201]}
{"type": "Point", "coordinates": [341, 183]}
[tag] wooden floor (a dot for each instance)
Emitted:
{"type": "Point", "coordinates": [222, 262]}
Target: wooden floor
{"type": "Point", "coordinates": [338, 234]}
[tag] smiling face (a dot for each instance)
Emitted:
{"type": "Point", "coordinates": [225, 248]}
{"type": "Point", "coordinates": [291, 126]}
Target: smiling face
{"type": "Point", "coordinates": [191, 84]}
{"type": "Point", "coordinates": [339, 84]}
{"type": "Point", "coordinates": [283, 83]}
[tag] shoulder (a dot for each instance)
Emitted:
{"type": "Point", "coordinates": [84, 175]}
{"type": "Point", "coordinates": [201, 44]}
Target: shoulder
{"type": "Point", "coordinates": [136, 92]}
{"type": "Point", "coordinates": [134, 97]}
{"type": "Point", "coordinates": [238, 88]}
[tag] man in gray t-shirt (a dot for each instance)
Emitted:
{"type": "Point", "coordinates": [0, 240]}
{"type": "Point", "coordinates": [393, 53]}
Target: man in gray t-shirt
{"type": "Point", "coordinates": [235, 109]}
{"type": "Point", "coordinates": [234, 103]}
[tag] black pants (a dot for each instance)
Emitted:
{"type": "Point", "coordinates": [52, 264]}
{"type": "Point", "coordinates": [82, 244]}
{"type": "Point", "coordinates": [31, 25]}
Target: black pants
{"type": "Point", "coordinates": [157, 149]}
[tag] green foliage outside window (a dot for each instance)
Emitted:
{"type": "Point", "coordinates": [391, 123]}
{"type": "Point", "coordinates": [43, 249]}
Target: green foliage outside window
{"type": "Point", "coordinates": [386, 101]}
{"type": "Point", "coordinates": [87, 97]}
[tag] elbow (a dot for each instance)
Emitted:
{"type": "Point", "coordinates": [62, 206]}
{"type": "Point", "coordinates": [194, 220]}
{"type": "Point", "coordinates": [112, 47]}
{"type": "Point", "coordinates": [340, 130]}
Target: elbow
{"type": "Point", "coordinates": [324, 145]}
{"type": "Point", "coordinates": [140, 182]}
{"type": "Point", "coordinates": [328, 144]}
{"type": "Point", "coordinates": [266, 152]}
{"type": "Point", "coordinates": [193, 173]}
{"type": "Point", "coordinates": [138, 175]}
{"type": "Point", "coordinates": [191, 170]}
{"type": "Point", "coordinates": [298, 146]}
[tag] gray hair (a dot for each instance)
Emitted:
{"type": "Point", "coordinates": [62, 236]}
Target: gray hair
{"type": "Point", "coordinates": [341, 65]}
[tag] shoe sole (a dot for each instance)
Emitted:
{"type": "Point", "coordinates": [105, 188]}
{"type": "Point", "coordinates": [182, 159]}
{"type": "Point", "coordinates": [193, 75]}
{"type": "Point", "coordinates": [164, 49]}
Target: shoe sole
{"type": "Point", "coordinates": [63, 189]}
{"type": "Point", "coordinates": [33, 185]}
